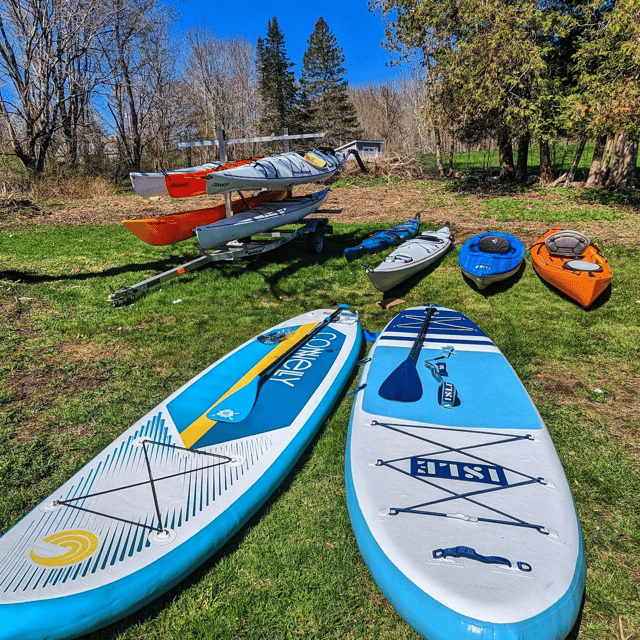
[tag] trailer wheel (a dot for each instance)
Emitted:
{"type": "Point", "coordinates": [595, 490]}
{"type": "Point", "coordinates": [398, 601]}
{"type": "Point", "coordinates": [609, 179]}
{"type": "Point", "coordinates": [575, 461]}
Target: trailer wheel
{"type": "Point", "coordinates": [315, 242]}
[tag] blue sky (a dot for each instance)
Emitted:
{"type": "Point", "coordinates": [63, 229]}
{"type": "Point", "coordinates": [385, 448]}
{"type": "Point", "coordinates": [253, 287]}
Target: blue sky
{"type": "Point", "coordinates": [358, 31]}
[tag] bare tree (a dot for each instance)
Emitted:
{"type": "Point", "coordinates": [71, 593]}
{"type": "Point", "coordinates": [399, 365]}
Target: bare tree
{"type": "Point", "coordinates": [44, 48]}
{"type": "Point", "coordinates": [393, 112]}
{"type": "Point", "coordinates": [138, 65]}
{"type": "Point", "coordinates": [220, 77]}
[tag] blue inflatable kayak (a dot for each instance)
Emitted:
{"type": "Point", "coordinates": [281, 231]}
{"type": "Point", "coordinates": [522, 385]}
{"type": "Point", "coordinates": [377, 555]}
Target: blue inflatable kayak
{"type": "Point", "coordinates": [384, 238]}
{"type": "Point", "coordinates": [490, 257]}
{"type": "Point", "coordinates": [175, 486]}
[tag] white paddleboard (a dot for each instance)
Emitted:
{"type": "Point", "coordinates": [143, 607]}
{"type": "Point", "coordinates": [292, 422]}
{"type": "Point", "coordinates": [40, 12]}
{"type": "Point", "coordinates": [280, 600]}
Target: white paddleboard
{"type": "Point", "coordinates": [174, 487]}
{"type": "Point", "coordinates": [457, 498]}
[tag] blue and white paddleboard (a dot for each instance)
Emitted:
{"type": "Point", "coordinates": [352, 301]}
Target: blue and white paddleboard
{"type": "Point", "coordinates": [491, 257]}
{"type": "Point", "coordinates": [173, 488]}
{"type": "Point", "coordinates": [458, 501]}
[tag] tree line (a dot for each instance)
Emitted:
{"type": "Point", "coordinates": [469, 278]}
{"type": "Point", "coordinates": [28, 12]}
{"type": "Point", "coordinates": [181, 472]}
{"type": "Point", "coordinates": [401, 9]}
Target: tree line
{"type": "Point", "coordinates": [92, 86]}
{"type": "Point", "coordinates": [113, 88]}
{"type": "Point", "coordinates": [529, 71]}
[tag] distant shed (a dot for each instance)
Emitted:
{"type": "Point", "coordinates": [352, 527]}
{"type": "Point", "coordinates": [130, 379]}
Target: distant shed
{"type": "Point", "coordinates": [366, 148]}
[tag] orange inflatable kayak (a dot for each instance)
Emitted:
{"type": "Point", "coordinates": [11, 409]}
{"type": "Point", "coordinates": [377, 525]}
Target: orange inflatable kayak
{"type": "Point", "coordinates": [184, 185]}
{"type": "Point", "coordinates": [174, 228]}
{"type": "Point", "coordinates": [567, 260]}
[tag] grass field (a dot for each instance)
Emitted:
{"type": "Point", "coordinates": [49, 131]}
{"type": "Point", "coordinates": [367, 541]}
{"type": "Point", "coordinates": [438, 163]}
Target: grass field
{"type": "Point", "coordinates": [77, 371]}
{"type": "Point", "coordinates": [488, 160]}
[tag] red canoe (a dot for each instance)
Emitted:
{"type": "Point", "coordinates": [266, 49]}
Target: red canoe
{"type": "Point", "coordinates": [174, 228]}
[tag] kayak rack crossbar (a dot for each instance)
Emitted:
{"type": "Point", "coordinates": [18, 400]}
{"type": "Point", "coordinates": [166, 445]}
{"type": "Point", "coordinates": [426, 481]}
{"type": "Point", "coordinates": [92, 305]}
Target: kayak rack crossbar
{"type": "Point", "coordinates": [230, 252]}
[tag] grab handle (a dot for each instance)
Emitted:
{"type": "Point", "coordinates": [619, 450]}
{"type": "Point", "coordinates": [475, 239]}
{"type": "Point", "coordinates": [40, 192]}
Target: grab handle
{"type": "Point", "coordinates": [472, 554]}
{"type": "Point", "coordinates": [468, 552]}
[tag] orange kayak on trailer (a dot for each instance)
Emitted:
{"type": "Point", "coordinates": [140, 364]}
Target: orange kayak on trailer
{"type": "Point", "coordinates": [184, 185]}
{"type": "Point", "coordinates": [180, 226]}
{"type": "Point", "coordinates": [567, 260]}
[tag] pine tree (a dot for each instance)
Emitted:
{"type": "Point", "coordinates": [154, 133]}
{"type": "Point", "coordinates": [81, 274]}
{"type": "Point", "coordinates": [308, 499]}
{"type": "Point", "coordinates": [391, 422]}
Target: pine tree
{"type": "Point", "coordinates": [325, 89]}
{"type": "Point", "coordinates": [276, 81]}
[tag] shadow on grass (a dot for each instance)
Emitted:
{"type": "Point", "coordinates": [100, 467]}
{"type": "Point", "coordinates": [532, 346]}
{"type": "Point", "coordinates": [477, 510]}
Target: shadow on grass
{"type": "Point", "coordinates": [288, 261]}
{"type": "Point", "coordinates": [151, 610]}
{"type": "Point", "coordinates": [610, 197]}
{"type": "Point", "coordinates": [28, 277]}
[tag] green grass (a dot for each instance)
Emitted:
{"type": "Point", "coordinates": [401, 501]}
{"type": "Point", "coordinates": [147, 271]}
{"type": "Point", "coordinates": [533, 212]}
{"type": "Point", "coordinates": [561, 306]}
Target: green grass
{"type": "Point", "coordinates": [76, 372]}
{"type": "Point", "coordinates": [561, 155]}
{"type": "Point", "coordinates": [559, 210]}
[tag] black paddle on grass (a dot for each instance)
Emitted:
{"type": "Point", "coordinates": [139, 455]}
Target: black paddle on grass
{"type": "Point", "coordinates": [403, 383]}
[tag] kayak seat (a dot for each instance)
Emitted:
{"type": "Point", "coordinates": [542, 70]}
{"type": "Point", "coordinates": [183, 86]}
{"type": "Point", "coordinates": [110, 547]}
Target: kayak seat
{"type": "Point", "coordinates": [494, 244]}
{"type": "Point", "coordinates": [567, 244]}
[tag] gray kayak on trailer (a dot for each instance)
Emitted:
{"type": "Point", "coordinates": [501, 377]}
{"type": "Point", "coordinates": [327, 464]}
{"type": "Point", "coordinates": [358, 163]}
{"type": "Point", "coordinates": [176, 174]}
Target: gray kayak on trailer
{"type": "Point", "coordinates": [282, 171]}
{"type": "Point", "coordinates": [260, 219]}
{"type": "Point", "coordinates": [410, 258]}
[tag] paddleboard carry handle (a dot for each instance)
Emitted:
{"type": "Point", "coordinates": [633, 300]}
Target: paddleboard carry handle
{"type": "Point", "coordinates": [472, 554]}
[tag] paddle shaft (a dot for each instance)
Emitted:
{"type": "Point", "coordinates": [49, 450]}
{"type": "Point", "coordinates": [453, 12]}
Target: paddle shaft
{"type": "Point", "coordinates": [417, 345]}
{"type": "Point", "coordinates": [298, 345]}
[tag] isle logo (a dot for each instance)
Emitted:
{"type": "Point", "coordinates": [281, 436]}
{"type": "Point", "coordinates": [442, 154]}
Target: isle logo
{"type": "Point", "coordinates": [72, 546]}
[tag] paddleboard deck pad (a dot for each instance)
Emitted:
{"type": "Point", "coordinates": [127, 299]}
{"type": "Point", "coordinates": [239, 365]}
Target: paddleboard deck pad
{"type": "Point", "coordinates": [458, 501]}
{"type": "Point", "coordinates": [174, 487]}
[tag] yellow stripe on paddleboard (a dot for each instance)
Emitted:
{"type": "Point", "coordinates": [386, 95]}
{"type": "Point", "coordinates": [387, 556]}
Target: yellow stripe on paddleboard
{"type": "Point", "coordinates": [201, 425]}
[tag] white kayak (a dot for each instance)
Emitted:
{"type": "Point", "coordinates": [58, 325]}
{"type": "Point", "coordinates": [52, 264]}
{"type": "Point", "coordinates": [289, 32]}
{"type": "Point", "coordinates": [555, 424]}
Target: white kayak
{"type": "Point", "coordinates": [457, 498]}
{"type": "Point", "coordinates": [175, 486]}
{"type": "Point", "coordinates": [410, 257]}
{"type": "Point", "coordinates": [282, 171]}
{"type": "Point", "coordinates": [259, 219]}
{"type": "Point", "coordinates": [149, 185]}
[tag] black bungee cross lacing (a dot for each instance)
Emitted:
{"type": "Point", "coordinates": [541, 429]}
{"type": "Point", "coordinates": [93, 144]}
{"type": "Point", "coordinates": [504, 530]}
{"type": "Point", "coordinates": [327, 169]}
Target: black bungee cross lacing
{"type": "Point", "coordinates": [152, 482]}
{"type": "Point", "coordinates": [470, 495]}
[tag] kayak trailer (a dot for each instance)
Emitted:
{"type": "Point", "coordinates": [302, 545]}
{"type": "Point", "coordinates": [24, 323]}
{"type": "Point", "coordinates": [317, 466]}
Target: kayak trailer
{"type": "Point", "coordinates": [312, 230]}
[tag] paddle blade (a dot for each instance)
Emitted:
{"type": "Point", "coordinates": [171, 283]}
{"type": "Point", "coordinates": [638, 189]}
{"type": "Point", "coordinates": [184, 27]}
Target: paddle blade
{"type": "Point", "coordinates": [403, 383]}
{"type": "Point", "coordinates": [238, 405]}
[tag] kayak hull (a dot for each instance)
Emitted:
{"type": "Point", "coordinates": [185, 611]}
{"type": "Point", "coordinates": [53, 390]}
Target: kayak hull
{"type": "Point", "coordinates": [410, 258]}
{"type": "Point", "coordinates": [282, 171]}
{"type": "Point", "coordinates": [175, 228]}
{"type": "Point", "coordinates": [259, 219]}
{"type": "Point", "coordinates": [383, 239]}
{"type": "Point", "coordinates": [485, 267]}
{"type": "Point", "coordinates": [179, 183]}
{"type": "Point", "coordinates": [582, 286]}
